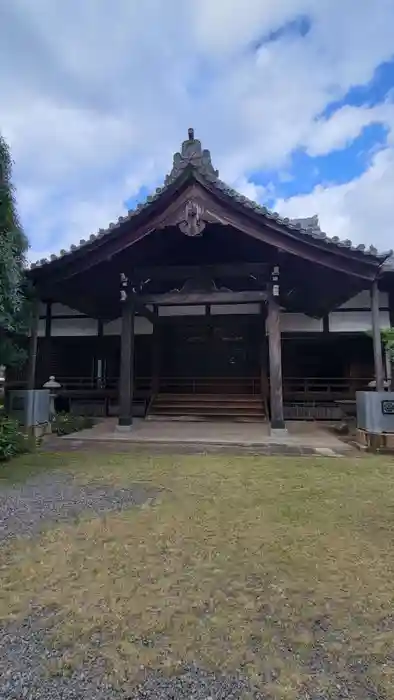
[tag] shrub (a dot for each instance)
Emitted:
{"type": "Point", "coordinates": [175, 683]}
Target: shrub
{"type": "Point", "coordinates": [13, 441]}
{"type": "Point", "coordinates": [66, 423]}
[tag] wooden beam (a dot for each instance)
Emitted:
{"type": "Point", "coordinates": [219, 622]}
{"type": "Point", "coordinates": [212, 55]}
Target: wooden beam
{"type": "Point", "coordinates": [196, 298]}
{"type": "Point", "coordinates": [184, 272]}
{"type": "Point", "coordinates": [126, 388]}
{"type": "Point", "coordinates": [376, 337]}
{"type": "Point", "coordinates": [275, 363]}
{"type": "Point", "coordinates": [142, 309]}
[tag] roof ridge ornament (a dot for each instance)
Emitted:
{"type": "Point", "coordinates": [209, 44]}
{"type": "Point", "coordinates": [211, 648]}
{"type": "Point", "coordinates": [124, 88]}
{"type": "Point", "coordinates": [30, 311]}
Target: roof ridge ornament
{"type": "Point", "coordinates": [192, 154]}
{"type": "Point", "coordinates": [192, 223]}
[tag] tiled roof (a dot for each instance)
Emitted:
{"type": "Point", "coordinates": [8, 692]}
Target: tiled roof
{"type": "Point", "coordinates": [193, 155]}
{"type": "Point", "coordinates": [388, 265]}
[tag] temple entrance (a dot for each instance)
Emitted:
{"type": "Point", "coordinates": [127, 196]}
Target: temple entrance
{"type": "Point", "coordinates": [210, 348]}
{"type": "Point", "coordinates": [210, 368]}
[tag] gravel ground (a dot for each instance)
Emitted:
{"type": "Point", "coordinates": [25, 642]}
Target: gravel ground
{"type": "Point", "coordinates": [28, 659]}
{"type": "Point", "coordinates": [25, 658]}
{"type": "Point", "coordinates": [27, 508]}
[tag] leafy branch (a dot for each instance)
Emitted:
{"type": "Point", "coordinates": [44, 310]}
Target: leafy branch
{"type": "Point", "coordinates": [14, 309]}
{"type": "Point", "coordinates": [388, 341]}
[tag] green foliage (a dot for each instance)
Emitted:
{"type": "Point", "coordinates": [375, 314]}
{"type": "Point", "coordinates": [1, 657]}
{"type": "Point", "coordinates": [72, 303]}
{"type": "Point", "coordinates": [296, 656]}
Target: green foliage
{"type": "Point", "coordinates": [66, 423]}
{"type": "Point", "coordinates": [14, 308]}
{"type": "Point", "coordinates": [388, 341]}
{"type": "Point", "coordinates": [13, 441]}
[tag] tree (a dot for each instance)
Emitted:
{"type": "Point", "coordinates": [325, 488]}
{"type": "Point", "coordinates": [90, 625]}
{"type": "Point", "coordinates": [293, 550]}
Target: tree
{"type": "Point", "coordinates": [14, 306]}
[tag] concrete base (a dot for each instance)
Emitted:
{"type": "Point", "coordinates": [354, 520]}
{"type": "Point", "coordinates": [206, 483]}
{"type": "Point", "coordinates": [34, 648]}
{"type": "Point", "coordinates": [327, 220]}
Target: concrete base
{"type": "Point", "coordinates": [123, 428]}
{"type": "Point", "coordinates": [256, 438]}
{"type": "Point", "coordinates": [279, 432]}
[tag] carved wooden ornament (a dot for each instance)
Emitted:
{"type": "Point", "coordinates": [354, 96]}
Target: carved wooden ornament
{"type": "Point", "coordinates": [192, 223]}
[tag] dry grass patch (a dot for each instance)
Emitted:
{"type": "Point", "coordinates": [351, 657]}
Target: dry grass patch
{"type": "Point", "coordinates": [280, 567]}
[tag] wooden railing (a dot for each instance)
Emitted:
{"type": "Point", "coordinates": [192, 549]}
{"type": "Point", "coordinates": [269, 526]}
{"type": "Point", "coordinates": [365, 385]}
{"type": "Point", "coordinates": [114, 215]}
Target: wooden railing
{"type": "Point", "coordinates": [301, 386]}
{"type": "Point", "coordinates": [305, 398]}
{"type": "Point", "coordinates": [324, 389]}
{"type": "Point", "coordinates": [78, 384]}
{"type": "Point", "coordinates": [294, 388]}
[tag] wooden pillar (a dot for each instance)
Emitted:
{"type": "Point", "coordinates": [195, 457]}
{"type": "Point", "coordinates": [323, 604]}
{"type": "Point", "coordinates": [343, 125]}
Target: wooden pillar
{"type": "Point", "coordinates": [155, 384]}
{"type": "Point", "coordinates": [99, 358]}
{"type": "Point", "coordinates": [45, 348]}
{"type": "Point", "coordinates": [275, 358]}
{"type": "Point", "coordinates": [263, 360]}
{"type": "Point", "coordinates": [391, 312]}
{"type": "Point", "coordinates": [33, 341]}
{"type": "Point", "coordinates": [376, 337]}
{"type": "Point", "coordinates": [126, 389]}
{"type": "Point", "coordinates": [391, 307]}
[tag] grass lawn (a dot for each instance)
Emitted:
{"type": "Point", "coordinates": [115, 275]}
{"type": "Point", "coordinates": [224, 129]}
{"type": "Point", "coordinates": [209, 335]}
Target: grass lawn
{"type": "Point", "coordinates": [280, 567]}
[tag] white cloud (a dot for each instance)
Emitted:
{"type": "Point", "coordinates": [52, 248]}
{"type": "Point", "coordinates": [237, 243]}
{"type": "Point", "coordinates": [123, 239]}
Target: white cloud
{"type": "Point", "coordinates": [100, 96]}
{"type": "Point", "coordinates": [358, 210]}
{"type": "Point", "coordinates": [344, 126]}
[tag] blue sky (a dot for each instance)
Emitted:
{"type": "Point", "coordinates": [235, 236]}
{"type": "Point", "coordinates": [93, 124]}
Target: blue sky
{"type": "Point", "coordinates": [294, 99]}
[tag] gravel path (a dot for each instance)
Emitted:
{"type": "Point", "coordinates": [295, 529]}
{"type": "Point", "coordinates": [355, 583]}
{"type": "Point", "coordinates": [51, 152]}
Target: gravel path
{"type": "Point", "coordinates": [57, 497]}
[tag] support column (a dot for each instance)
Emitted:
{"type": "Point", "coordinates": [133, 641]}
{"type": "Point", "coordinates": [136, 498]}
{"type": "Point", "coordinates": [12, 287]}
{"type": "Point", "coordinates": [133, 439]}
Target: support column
{"type": "Point", "coordinates": [376, 337]}
{"type": "Point", "coordinates": [44, 355]}
{"type": "Point", "coordinates": [391, 312]}
{"type": "Point", "coordinates": [126, 389]}
{"type": "Point", "coordinates": [99, 359]}
{"type": "Point", "coordinates": [33, 341]}
{"type": "Point", "coordinates": [155, 359]}
{"type": "Point", "coordinates": [275, 355]}
{"type": "Point", "coordinates": [263, 361]}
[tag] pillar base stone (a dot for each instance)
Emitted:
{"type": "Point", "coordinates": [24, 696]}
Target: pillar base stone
{"type": "Point", "coordinates": [124, 426]}
{"type": "Point", "coordinates": [278, 432]}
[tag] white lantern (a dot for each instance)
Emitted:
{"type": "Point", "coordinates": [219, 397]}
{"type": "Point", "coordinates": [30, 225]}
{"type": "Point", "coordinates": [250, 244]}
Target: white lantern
{"type": "Point", "coordinates": [53, 387]}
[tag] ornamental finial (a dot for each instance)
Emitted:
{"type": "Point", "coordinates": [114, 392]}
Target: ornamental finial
{"type": "Point", "coordinates": [193, 155]}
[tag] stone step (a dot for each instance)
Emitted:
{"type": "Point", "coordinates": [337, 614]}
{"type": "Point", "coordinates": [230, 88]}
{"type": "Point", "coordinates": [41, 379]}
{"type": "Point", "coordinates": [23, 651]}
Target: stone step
{"type": "Point", "coordinates": [214, 416]}
{"type": "Point", "coordinates": [207, 407]}
{"type": "Point", "coordinates": [205, 398]}
{"type": "Point", "coordinates": [208, 404]}
{"type": "Point", "coordinates": [214, 410]}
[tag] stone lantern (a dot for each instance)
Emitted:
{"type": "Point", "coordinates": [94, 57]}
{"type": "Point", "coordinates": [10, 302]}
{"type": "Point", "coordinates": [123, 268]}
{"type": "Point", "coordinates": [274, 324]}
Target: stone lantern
{"type": "Point", "coordinates": [53, 387]}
